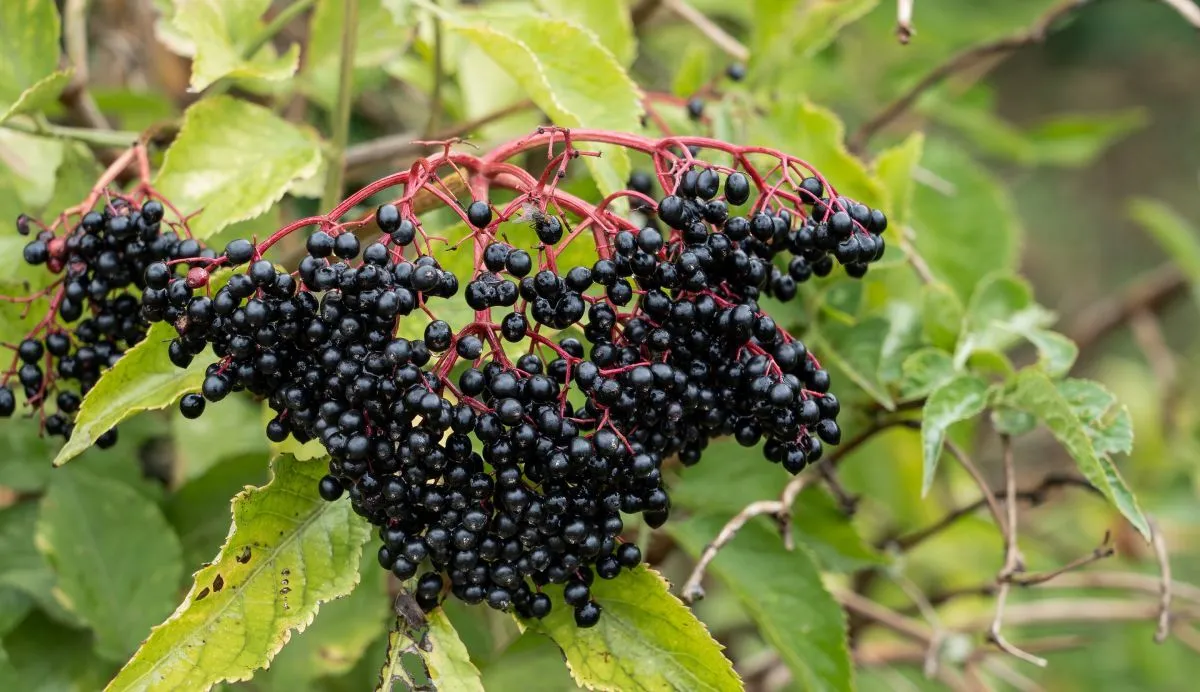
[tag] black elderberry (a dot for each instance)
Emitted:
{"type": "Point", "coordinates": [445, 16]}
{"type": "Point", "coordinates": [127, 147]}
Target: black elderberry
{"type": "Point", "coordinates": [588, 614]}
{"type": "Point", "coordinates": [479, 214]}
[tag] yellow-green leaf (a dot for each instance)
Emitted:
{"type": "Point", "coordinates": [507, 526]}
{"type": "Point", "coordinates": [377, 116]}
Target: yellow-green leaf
{"type": "Point", "coordinates": [441, 654]}
{"type": "Point", "coordinates": [960, 399]}
{"type": "Point", "coordinates": [287, 552]}
{"type": "Point", "coordinates": [608, 19]}
{"type": "Point", "coordinates": [1064, 413]}
{"type": "Point", "coordinates": [33, 99]}
{"type": "Point", "coordinates": [117, 560]}
{"type": "Point", "coordinates": [29, 31]}
{"type": "Point", "coordinates": [222, 31]}
{"type": "Point", "coordinates": [144, 379]}
{"type": "Point", "coordinates": [895, 168]}
{"type": "Point", "coordinates": [566, 71]}
{"type": "Point", "coordinates": [232, 161]}
{"type": "Point", "coordinates": [646, 640]}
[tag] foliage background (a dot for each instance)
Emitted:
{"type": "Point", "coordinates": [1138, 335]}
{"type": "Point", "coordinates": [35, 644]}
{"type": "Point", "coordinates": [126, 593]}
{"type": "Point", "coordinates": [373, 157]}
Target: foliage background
{"type": "Point", "coordinates": [1116, 85]}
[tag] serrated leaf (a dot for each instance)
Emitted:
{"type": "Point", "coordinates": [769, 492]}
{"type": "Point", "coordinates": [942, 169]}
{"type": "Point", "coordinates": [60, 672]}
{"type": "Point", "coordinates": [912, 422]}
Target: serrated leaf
{"type": "Point", "coordinates": [1105, 420]}
{"type": "Point", "coordinates": [1177, 237]}
{"type": "Point", "coordinates": [895, 167]}
{"type": "Point", "coordinates": [1033, 392]}
{"type": "Point", "coordinates": [29, 31]}
{"type": "Point", "coordinates": [1012, 422]}
{"type": "Point", "coordinates": [646, 639]}
{"type": "Point", "coordinates": [440, 651]}
{"type": "Point", "coordinates": [960, 399]}
{"type": "Point", "coordinates": [967, 230]}
{"type": "Point", "coordinates": [1056, 353]}
{"type": "Point", "coordinates": [783, 593]}
{"type": "Point", "coordinates": [287, 552]}
{"type": "Point", "coordinates": [608, 19]}
{"type": "Point", "coordinates": [221, 31]}
{"type": "Point", "coordinates": [1001, 309]}
{"type": "Point", "coordinates": [199, 510]}
{"type": "Point", "coordinates": [144, 379]}
{"type": "Point", "coordinates": [567, 73]}
{"type": "Point", "coordinates": [925, 371]}
{"type": "Point", "coordinates": [35, 98]}
{"type": "Point", "coordinates": [856, 351]}
{"type": "Point", "coordinates": [815, 134]}
{"type": "Point", "coordinates": [232, 161]}
{"type": "Point", "coordinates": [110, 547]}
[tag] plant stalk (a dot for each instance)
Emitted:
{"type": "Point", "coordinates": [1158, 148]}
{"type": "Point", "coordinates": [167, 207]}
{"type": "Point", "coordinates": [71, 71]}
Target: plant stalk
{"type": "Point", "coordinates": [341, 113]}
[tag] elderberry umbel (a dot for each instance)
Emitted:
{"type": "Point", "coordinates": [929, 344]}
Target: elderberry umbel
{"type": "Point", "coordinates": [501, 452]}
{"type": "Point", "coordinates": [98, 284]}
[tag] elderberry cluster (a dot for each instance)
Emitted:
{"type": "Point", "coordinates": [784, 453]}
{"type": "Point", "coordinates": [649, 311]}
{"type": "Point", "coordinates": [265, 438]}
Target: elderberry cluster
{"type": "Point", "coordinates": [95, 309]}
{"type": "Point", "coordinates": [492, 468]}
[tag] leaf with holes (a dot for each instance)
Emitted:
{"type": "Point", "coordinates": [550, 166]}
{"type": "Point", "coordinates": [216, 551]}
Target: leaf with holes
{"type": "Point", "coordinates": [117, 561]}
{"type": "Point", "coordinates": [960, 399]}
{"type": "Point", "coordinates": [287, 552]}
{"type": "Point", "coordinates": [1088, 425]}
{"type": "Point", "coordinates": [783, 593]}
{"type": "Point", "coordinates": [434, 646]}
{"type": "Point", "coordinates": [646, 639]}
{"type": "Point", "coordinates": [232, 161]}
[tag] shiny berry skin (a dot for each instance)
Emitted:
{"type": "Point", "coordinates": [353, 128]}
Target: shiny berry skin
{"type": "Point", "coordinates": [329, 488]}
{"type": "Point", "coordinates": [587, 615]}
{"type": "Point", "coordinates": [479, 214]}
{"type": "Point", "coordinates": [191, 406]}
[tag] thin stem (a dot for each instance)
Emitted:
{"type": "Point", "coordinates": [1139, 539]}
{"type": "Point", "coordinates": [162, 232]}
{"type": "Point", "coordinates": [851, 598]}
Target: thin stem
{"type": "Point", "coordinates": [435, 99]}
{"type": "Point", "coordinates": [341, 113]}
{"type": "Point", "coordinates": [716, 34]}
{"type": "Point", "coordinates": [1164, 569]}
{"type": "Point", "coordinates": [99, 138]}
{"type": "Point", "coordinates": [277, 24]}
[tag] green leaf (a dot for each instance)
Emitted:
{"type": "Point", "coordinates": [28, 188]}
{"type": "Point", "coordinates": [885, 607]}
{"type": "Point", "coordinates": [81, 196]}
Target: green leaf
{"type": "Point", "coordinates": [48, 657]}
{"type": "Point", "coordinates": [227, 432]}
{"type": "Point", "coordinates": [894, 168]}
{"type": "Point", "coordinates": [608, 19]}
{"type": "Point", "coordinates": [972, 211]}
{"type": "Point", "coordinates": [14, 606]}
{"type": "Point", "coordinates": [232, 161]}
{"type": "Point", "coordinates": [221, 31]}
{"type": "Point", "coordinates": [960, 399]}
{"type": "Point", "coordinates": [1012, 422]}
{"type": "Point", "coordinates": [903, 339]}
{"type": "Point", "coordinates": [530, 664]}
{"type": "Point", "coordinates": [1033, 392]}
{"type": "Point", "coordinates": [694, 70]}
{"type": "Point", "coordinates": [790, 30]}
{"type": "Point", "coordinates": [78, 173]}
{"type": "Point", "coordinates": [35, 98]}
{"type": "Point", "coordinates": [816, 135]}
{"type": "Point", "coordinates": [925, 371]}
{"type": "Point", "coordinates": [857, 352]}
{"type": "Point", "coordinates": [199, 511]}
{"type": "Point", "coordinates": [1105, 420]}
{"type": "Point", "coordinates": [29, 31]}
{"type": "Point", "coordinates": [1001, 309]}
{"type": "Point", "coordinates": [646, 639]}
{"type": "Point", "coordinates": [337, 639]}
{"type": "Point", "coordinates": [32, 163]}
{"type": "Point", "coordinates": [22, 567]}
{"type": "Point", "coordinates": [1056, 353]}
{"type": "Point", "coordinates": [783, 593]}
{"type": "Point", "coordinates": [287, 552]}
{"type": "Point", "coordinates": [943, 315]}
{"type": "Point", "coordinates": [440, 653]}
{"type": "Point", "coordinates": [567, 73]}
{"type": "Point", "coordinates": [1178, 238]}
{"type": "Point", "coordinates": [144, 379]}
{"type": "Point", "coordinates": [1078, 139]}
{"type": "Point", "coordinates": [118, 561]}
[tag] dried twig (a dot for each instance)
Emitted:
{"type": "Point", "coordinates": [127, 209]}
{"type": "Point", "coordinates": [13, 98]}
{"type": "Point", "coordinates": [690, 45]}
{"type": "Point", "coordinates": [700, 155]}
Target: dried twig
{"type": "Point", "coordinates": [958, 63]}
{"type": "Point", "coordinates": [1104, 550]}
{"type": "Point", "coordinates": [720, 38]}
{"type": "Point", "coordinates": [1164, 569]}
{"type": "Point", "coordinates": [692, 591]}
{"type": "Point", "coordinates": [988, 496]}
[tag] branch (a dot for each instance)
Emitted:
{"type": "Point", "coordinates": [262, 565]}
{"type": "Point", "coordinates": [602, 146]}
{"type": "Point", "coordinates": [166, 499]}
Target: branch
{"type": "Point", "coordinates": [406, 144]}
{"type": "Point", "coordinates": [715, 33]}
{"type": "Point", "coordinates": [1164, 568]}
{"type": "Point", "coordinates": [341, 114]}
{"type": "Point", "coordinates": [1152, 292]}
{"type": "Point", "coordinates": [1104, 550]}
{"type": "Point", "coordinates": [962, 61]}
{"type": "Point", "coordinates": [988, 496]}
{"type": "Point", "coordinates": [114, 139]}
{"type": "Point", "coordinates": [692, 591]}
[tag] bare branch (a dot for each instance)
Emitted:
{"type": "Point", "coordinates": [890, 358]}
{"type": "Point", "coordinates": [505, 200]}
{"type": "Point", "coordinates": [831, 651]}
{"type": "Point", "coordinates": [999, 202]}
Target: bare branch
{"type": "Point", "coordinates": [1152, 292]}
{"type": "Point", "coordinates": [1104, 550]}
{"type": "Point", "coordinates": [958, 63]}
{"type": "Point", "coordinates": [988, 497]}
{"type": "Point", "coordinates": [871, 610]}
{"type": "Point", "coordinates": [720, 38]}
{"type": "Point", "coordinates": [692, 591]}
{"type": "Point", "coordinates": [1164, 569]}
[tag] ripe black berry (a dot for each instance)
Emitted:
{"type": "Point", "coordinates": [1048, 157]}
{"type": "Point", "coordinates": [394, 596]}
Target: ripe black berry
{"type": "Point", "coordinates": [479, 214]}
